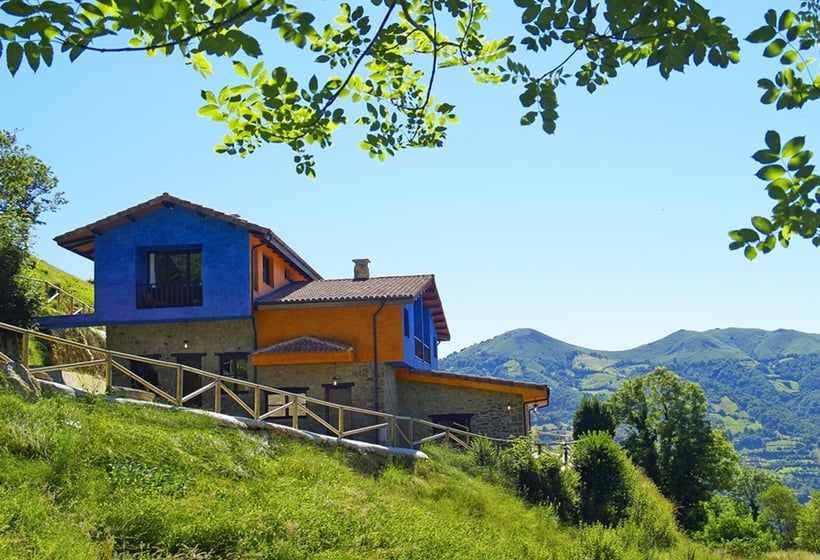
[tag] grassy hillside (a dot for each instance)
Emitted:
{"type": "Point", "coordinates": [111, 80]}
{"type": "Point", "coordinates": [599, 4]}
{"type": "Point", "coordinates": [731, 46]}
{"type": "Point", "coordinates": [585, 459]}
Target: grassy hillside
{"type": "Point", "coordinates": [96, 479]}
{"type": "Point", "coordinates": [763, 386]}
{"type": "Point", "coordinates": [80, 289]}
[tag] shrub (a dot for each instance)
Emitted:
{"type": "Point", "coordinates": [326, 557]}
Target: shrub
{"type": "Point", "coordinates": [484, 451]}
{"type": "Point", "coordinates": [539, 478]}
{"type": "Point", "coordinates": [604, 471]}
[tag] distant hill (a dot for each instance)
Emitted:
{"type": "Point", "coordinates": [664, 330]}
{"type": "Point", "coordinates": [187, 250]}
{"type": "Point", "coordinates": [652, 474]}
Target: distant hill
{"type": "Point", "coordinates": [763, 386]}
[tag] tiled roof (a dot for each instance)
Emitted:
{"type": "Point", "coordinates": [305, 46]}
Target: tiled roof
{"type": "Point", "coordinates": [345, 290]}
{"type": "Point", "coordinates": [376, 289]}
{"type": "Point", "coordinates": [81, 240]}
{"type": "Point", "coordinates": [306, 344]}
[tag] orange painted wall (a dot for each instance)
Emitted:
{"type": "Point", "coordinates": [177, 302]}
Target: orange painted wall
{"type": "Point", "coordinates": [352, 325]}
{"type": "Point", "coordinates": [277, 272]}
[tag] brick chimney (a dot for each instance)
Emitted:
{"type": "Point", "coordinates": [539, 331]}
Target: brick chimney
{"type": "Point", "coordinates": [360, 269]}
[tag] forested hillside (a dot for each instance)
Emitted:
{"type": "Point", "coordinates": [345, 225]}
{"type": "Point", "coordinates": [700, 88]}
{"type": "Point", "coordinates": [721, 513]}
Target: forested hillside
{"type": "Point", "coordinates": [763, 386]}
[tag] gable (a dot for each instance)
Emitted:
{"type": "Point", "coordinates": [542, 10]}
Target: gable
{"type": "Point", "coordinates": [82, 241]}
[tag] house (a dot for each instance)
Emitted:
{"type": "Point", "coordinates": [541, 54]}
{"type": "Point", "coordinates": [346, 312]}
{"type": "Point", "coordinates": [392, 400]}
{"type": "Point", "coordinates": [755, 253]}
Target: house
{"type": "Point", "coordinates": [181, 282]}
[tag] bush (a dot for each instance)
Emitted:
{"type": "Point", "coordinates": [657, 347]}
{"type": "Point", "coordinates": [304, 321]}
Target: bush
{"type": "Point", "coordinates": [539, 478]}
{"type": "Point", "coordinates": [485, 452]}
{"type": "Point", "coordinates": [604, 471]}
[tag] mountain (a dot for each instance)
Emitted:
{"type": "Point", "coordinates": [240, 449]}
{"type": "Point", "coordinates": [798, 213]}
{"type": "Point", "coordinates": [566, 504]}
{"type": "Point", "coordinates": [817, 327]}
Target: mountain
{"type": "Point", "coordinates": [763, 386]}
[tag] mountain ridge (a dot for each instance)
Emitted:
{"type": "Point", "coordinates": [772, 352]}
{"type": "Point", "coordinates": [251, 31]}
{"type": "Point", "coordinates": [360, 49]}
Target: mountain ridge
{"type": "Point", "coordinates": [763, 387]}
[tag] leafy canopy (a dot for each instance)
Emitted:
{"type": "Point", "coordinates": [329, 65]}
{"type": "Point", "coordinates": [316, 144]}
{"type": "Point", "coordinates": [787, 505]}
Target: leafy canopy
{"type": "Point", "coordinates": [372, 64]}
{"type": "Point", "coordinates": [27, 189]}
{"type": "Point", "coordinates": [670, 437]}
{"type": "Point", "coordinates": [786, 167]}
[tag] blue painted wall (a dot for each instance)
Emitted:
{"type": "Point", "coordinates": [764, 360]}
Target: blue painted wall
{"type": "Point", "coordinates": [418, 323]}
{"type": "Point", "coordinates": [120, 264]}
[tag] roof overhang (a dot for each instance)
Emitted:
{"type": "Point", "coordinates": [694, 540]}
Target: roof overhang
{"type": "Point", "coordinates": [531, 393]}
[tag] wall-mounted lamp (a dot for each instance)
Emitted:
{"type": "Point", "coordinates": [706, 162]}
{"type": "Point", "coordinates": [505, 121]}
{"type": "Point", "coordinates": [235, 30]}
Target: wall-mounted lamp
{"type": "Point", "coordinates": [335, 380]}
{"type": "Point", "coordinates": [535, 409]}
{"type": "Point", "coordinates": [185, 344]}
{"type": "Point", "coordinates": [509, 406]}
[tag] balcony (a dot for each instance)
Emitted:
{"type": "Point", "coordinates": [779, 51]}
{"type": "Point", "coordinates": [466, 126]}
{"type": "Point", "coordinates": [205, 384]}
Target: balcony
{"type": "Point", "coordinates": [169, 295]}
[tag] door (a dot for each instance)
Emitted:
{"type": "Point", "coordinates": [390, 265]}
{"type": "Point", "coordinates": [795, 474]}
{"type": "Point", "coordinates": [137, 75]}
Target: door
{"type": "Point", "coordinates": [338, 393]}
{"type": "Point", "coordinates": [191, 381]}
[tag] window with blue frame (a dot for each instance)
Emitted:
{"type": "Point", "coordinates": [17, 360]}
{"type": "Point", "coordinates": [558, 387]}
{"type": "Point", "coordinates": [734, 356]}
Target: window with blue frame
{"type": "Point", "coordinates": [421, 328]}
{"type": "Point", "coordinates": [172, 278]}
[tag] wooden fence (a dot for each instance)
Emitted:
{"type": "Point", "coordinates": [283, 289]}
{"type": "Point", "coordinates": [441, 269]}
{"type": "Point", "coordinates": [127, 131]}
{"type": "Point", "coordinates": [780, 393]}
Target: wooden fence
{"type": "Point", "coordinates": [298, 409]}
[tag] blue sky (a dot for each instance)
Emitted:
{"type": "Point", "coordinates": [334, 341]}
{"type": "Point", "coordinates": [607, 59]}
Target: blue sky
{"type": "Point", "coordinates": [609, 234]}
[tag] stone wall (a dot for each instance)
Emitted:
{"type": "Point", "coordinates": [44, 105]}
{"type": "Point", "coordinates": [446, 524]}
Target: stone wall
{"type": "Point", "coordinates": [317, 378]}
{"type": "Point", "coordinates": [167, 341]}
{"type": "Point", "coordinates": [489, 409]}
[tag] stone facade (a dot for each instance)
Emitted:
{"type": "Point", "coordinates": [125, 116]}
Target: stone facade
{"type": "Point", "coordinates": [205, 342]}
{"type": "Point", "coordinates": [491, 416]}
{"type": "Point", "coordinates": [317, 380]}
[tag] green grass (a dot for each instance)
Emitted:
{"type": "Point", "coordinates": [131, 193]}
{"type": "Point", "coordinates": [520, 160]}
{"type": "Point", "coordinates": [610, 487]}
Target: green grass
{"type": "Point", "coordinates": [599, 381]}
{"type": "Point", "coordinates": [92, 478]}
{"type": "Point", "coordinates": [81, 289]}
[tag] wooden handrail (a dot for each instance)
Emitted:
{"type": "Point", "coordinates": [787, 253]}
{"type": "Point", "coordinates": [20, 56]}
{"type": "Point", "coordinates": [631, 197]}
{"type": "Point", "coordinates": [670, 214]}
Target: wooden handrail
{"type": "Point", "coordinates": [295, 403]}
{"type": "Point", "coordinates": [59, 294]}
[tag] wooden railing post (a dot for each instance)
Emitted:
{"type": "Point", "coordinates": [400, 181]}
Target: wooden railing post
{"type": "Point", "coordinates": [257, 408]}
{"type": "Point", "coordinates": [341, 423]}
{"type": "Point", "coordinates": [179, 386]}
{"type": "Point", "coordinates": [218, 396]}
{"type": "Point", "coordinates": [109, 371]}
{"type": "Point", "coordinates": [24, 350]}
{"type": "Point", "coordinates": [294, 410]}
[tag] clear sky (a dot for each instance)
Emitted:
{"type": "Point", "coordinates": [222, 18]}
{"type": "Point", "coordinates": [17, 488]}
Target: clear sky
{"type": "Point", "coordinates": [609, 234]}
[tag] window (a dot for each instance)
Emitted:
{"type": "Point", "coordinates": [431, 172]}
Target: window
{"type": "Point", "coordinates": [275, 400]}
{"type": "Point", "coordinates": [235, 364]}
{"type": "Point", "coordinates": [406, 322]}
{"type": "Point", "coordinates": [173, 279]}
{"type": "Point", "coordinates": [266, 270]}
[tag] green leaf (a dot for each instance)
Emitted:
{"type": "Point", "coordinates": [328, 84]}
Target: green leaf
{"type": "Point", "coordinates": [208, 110]}
{"type": "Point", "coordinates": [799, 160]}
{"type": "Point", "coordinates": [240, 69]}
{"type": "Point", "coordinates": [18, 8]}
{"type": "Point", "coordinates": [786, 20]}
{"type": "Point", "coordinates": [32, 55]}
{"type": "Point", "coordinates": [793, 146]}
{"type": "Point", "coordinates": [773, 141]}
{"type": "Point", "coordinates": [14, 56]}
{"type": "Point", "coordinates": [762, 34]}
{"type": "Point", "coordinates": [775, 48]}
{"type": "Point", "coordinates": [765, 156]}
{"type": "Point", "coordinates": [529, 118]}
{"type": "Point", "coordinates": [762, 225]}
{"type": "Point", "coordinates": [788, 57]}
{"type": "Point", "coordinates": [771, 172]}
{"type": "Point", "coordinates": [750, 252]}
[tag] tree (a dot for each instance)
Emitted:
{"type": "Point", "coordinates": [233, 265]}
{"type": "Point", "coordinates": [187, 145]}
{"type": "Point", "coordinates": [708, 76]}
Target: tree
{"type": "Point", "coordinates": [749, 486]}
{"type": "Point", "coordinates": [780, 511]}
{"type": "Point", "coordinates": [808, 525]}
{"type": "Point", "coordinates": [592, 415]}
{"type": "Point", "coordinates": [605, 478]}
{"type": "Point", "coordinates": [670, 437]}
{"type": "Point", "coordinates": [381, 57]}
{"type": "Point", "coordinates": [27, 190]}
